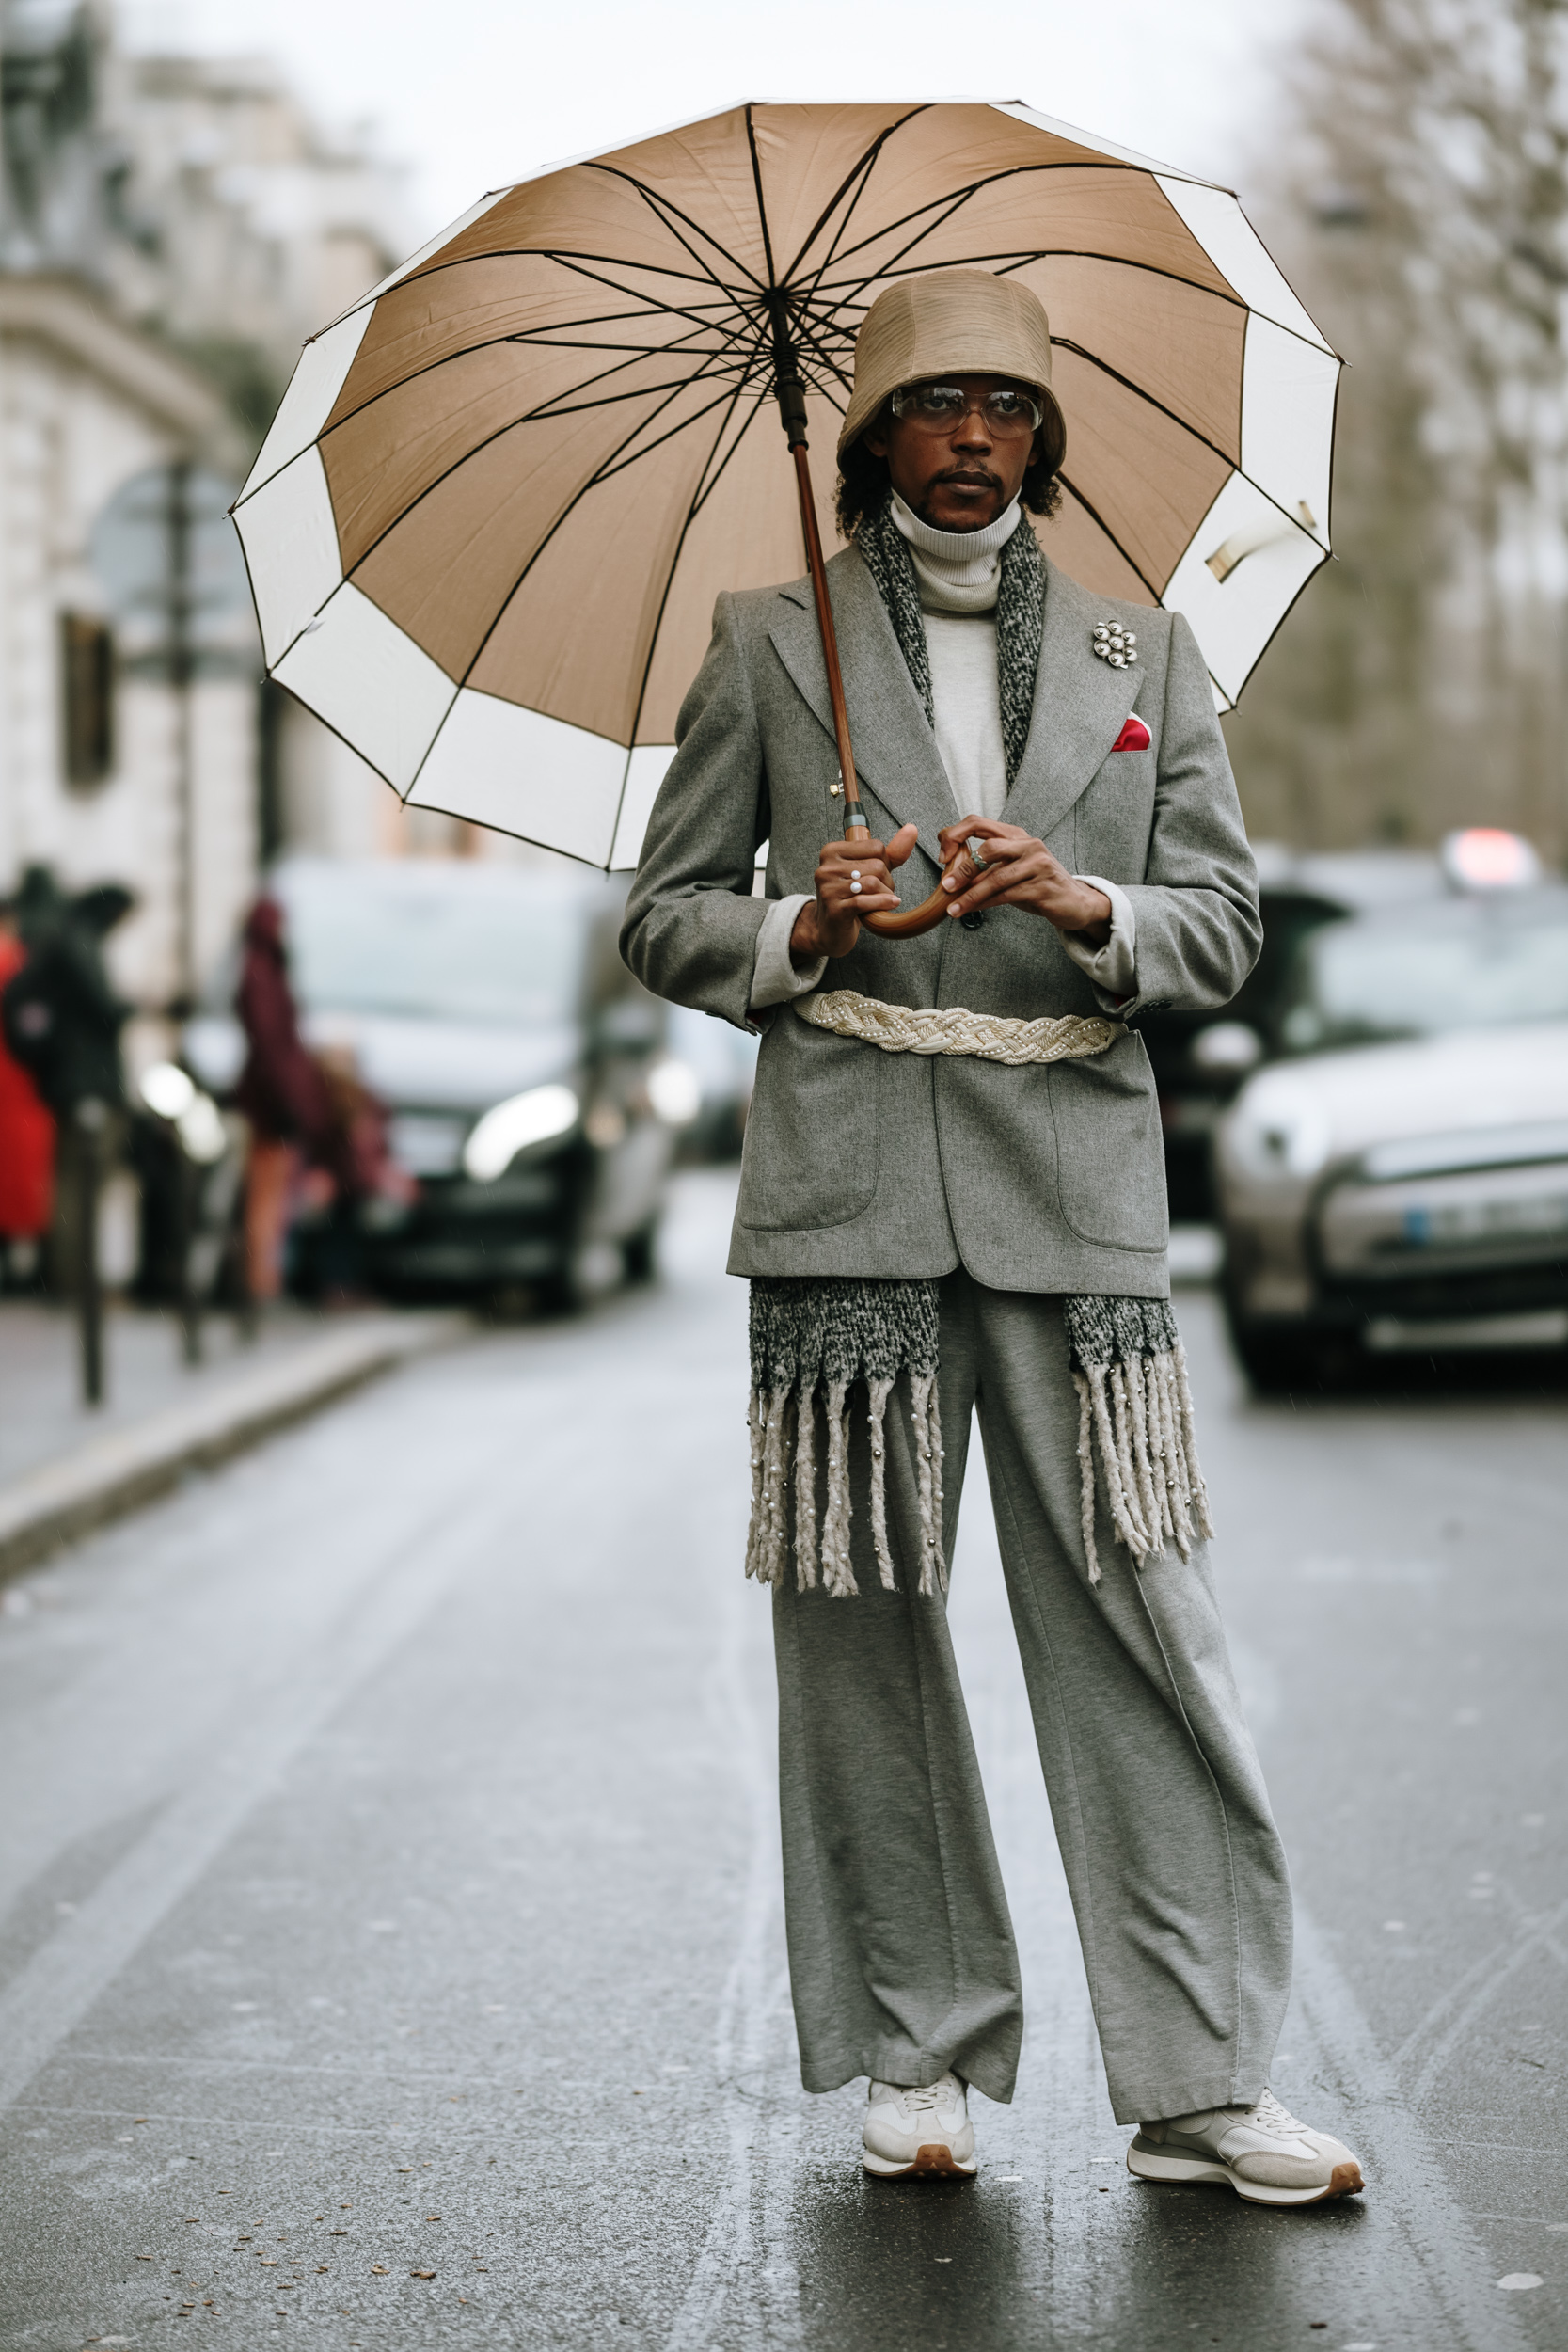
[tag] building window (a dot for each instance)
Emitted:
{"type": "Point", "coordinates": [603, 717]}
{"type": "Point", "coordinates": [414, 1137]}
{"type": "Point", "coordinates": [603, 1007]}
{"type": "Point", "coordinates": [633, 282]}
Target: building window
{"type": "Point", "coordinates": [87, 683]}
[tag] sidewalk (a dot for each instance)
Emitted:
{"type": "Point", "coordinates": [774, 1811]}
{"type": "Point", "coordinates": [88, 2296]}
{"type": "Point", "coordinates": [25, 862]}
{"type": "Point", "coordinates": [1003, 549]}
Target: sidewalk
{"type": "Point", "coordinates": [66, 1467]}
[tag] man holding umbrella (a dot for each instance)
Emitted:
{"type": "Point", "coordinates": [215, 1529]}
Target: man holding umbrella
{"type": "Point", "coordinates": [954, 1166]}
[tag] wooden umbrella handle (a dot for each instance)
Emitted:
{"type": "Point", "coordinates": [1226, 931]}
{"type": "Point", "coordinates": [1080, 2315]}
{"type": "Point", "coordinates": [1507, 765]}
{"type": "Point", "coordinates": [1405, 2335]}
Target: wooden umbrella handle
{"type": "Point", "coordinates": [908, 921]}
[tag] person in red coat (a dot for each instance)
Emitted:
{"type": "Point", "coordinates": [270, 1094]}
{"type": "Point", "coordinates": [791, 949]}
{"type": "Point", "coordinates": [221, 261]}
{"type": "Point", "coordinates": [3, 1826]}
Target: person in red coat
{"type": "Point", "coordinates": [27, 1136]}
{"type": "Point", "coordinates": [282, 1091]}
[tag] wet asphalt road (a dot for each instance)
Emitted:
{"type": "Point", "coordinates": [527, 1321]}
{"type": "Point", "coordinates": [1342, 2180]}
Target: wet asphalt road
{"type": "Point", "coordinates": [390, 1943]}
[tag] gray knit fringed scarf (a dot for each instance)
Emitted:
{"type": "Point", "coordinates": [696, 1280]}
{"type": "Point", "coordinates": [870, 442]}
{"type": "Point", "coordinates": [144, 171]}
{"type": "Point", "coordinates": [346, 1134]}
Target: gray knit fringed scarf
{"type": "Point", "coordinates": [814, 1337]}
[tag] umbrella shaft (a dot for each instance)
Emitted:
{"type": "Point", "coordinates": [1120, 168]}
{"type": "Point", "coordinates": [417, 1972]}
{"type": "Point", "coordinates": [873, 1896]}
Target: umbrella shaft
{"type": "Point", "coordinates": [854, 820]}
{"type": "Point", "coordinates": [908, 921]}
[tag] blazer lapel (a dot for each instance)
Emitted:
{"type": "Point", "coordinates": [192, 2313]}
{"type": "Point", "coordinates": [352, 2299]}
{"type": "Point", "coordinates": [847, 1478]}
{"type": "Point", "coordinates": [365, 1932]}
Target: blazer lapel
{"type": "Point", "coordinates": [894, 750]}
{"type": "Point", "coordinates": [1081, 706]}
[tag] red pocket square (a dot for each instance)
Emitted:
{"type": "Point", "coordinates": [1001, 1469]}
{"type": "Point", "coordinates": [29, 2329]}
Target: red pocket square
{"type": "Point", "coordinates": [1134, 738]}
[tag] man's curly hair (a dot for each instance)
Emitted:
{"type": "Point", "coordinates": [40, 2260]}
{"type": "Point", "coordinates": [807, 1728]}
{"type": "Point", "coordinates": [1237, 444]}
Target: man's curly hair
{"type": "Point", "coordinates": [864, 479]}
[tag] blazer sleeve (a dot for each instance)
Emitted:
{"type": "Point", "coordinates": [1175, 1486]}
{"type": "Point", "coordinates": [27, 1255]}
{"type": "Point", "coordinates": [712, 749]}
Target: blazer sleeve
{"type": "Point", "coordinates": [1198, 927]}
{"type": "Point", "coordinates": [691, 923]}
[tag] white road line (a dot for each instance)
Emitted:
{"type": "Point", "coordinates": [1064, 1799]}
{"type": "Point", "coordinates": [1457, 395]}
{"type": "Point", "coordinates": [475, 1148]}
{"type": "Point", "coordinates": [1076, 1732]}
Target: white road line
{"type": "Point", "coordinates": [1403, 2172]}
{"type": "Point", "coordinates": [1467, 2000]}
{"type": "Point", "coordinates": [751, 2057]}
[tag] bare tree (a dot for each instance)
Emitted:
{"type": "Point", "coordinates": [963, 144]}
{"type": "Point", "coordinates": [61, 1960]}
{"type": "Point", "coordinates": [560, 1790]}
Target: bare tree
{"type": "Point", "coordinates": [1422, 204]}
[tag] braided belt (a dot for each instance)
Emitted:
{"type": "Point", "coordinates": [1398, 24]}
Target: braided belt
{"type": "Point", "coordinates": [953, 1030]}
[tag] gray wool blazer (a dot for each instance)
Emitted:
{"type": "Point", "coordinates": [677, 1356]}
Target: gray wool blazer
{"type": "Point", "coordinates": [1045, 1178]}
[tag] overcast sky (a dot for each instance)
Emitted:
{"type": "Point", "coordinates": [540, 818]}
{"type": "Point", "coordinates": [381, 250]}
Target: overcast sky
{"type": "Point", "coordinates": [473, 93]}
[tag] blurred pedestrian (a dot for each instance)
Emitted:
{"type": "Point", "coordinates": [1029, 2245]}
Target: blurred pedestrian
{"type": "Point", "coordinates": [919, 1190]}
{"type": "Point", "coordinates": [282, 1093]}
{"type": "Point", "coordinates": [27, 1145]}
{"type": "Point", "coordinates": [61, 1020]}
{"type": "Point", "coordinates": [368, 1184]}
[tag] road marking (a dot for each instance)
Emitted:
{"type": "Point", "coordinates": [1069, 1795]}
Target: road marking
{"type": "Point", "coordinates": [1404, 2173]}
{"type": "Point", "coordinates": [754, 2047]}
{"type": "Point", "coordinates": [1466, 2001]}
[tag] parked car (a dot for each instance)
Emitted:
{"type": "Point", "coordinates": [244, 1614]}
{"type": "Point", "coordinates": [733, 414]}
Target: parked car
{"type": "Point", "coordinates": [1201, 1058]}
{"type": "Point", "coordinates": [723, 1060]}
{"type": "Point", "coordinates": [1400, 1180]}
{"type": "Point", "coordinates": [530, 1091]}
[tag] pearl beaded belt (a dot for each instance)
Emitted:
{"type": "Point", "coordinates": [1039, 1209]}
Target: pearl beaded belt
{"type": "Point", "coordinates": [954, 1029]}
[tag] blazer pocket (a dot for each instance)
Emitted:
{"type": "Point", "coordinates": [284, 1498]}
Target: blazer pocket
{"type": "Point", "coordinates": [813, 1136]}
{"type": "Point", "coordinates": [1110, 1152]}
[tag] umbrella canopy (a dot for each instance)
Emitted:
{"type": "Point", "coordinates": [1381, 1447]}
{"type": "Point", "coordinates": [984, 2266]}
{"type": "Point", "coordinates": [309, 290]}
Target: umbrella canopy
{"type": "Point", "coordinates": [487, 526]}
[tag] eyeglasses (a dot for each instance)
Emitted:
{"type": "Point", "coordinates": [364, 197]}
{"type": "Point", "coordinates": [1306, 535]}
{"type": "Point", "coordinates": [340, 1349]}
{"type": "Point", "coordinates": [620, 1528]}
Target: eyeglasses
{"type": "Point", "coordinates": [939, 407]}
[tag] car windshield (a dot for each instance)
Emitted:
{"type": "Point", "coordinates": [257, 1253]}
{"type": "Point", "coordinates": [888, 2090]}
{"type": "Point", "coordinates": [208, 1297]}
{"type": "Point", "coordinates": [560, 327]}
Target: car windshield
{"type": "Point", "coordinates": [1477, 964]}
{"type": "Point", "coordinates": [432, 948]}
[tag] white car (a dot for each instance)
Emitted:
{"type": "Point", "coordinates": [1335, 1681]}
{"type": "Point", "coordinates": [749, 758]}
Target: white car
{"type": "Point", "coordinates": [1400, 1180]}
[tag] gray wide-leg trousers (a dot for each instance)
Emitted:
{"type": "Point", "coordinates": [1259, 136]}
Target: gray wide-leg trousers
{"type": "Point", "coordinates": [901, 1950]}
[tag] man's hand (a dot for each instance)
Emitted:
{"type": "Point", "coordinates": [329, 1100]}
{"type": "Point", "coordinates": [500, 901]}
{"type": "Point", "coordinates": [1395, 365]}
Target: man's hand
{"type": "Point", "coordinates": [854, 878]}
{"type": "Point", "coordinates": [1021, 871]}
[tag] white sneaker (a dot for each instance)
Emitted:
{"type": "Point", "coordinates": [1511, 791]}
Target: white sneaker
{"type": "Point", "coordinates": [918, 2131]}
{"type": "Point", "coordinates": [1262, 2152]}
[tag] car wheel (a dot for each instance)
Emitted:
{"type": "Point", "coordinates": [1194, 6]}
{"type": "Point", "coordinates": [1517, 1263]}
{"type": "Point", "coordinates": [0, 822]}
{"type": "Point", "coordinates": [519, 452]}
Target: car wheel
{"type": "Point", "coordinates": [639, 1253]}
{"type": "Point", "coordinates": [1278, 1363]}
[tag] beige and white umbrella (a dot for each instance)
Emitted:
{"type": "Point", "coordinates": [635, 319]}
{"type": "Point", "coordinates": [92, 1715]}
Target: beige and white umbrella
{"type": "Point", "coordinates": [487, 526]}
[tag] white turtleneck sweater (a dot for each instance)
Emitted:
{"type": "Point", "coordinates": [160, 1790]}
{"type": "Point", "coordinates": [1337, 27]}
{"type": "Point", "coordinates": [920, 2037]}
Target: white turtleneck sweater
{"type": "Point", "coordinates": [959, 575]}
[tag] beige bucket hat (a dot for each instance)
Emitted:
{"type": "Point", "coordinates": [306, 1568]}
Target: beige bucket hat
{"type": "Point", "coordinates": [955, 321]}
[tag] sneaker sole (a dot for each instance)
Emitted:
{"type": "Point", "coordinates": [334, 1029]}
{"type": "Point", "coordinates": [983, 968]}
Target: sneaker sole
{"type": "Point", "coordinates": [934, 2157]}
{"type": "Point", "coordinates": [1344, 2181]}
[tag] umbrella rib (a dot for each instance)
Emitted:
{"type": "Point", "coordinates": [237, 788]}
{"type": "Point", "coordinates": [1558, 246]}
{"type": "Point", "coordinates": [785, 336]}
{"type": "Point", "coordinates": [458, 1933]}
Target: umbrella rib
{"type": "Point", "coordinates": [546, 409]}
{"type": "Point", "coordinates": [622, 464]}
{"type": "Point", "coordinates": [813, 343]}
{"type": "Point", "coordinates": [602, 472]}
{"type": "Point", "coordinates": [1016, 261]}
{"type": "Point", "coordinates": [579, 263]}
{"type": "Point", "coordinates": [711, 483]}
{"type": "Point", "coordinates": [660, 206]}
{"type": "Point", "coordinates": [956, 205]}
{"type": "Point", "coordinates": [956, 197]}
{"type": "Point", "coordinates": [533, 343]}
{"type": "Point", "coordinates": [862, 170]}
{"type": "Point", "coordinates": [1062, 343]}
{"type": "Point", "coordinates": [500, 434]}
{"type": "Point", "coordinates": [1098, 519]}
{"type": "Point", "coordinates": [702, 276]}
{"type": "Point", "coordinates": [811, 286]}
{"type": "Point", "coordinates": [762, 201]}
{"type": "Point", "coordinates": [663, 604]}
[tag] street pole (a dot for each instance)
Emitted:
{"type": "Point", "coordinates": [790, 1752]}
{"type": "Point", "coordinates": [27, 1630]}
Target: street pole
{"type": "Point", "coordinates": [190, 1303]}
{"type": "Point", "coordinates": [90, 1117]}
{"type": "Point", "coordinates": [181, 671]}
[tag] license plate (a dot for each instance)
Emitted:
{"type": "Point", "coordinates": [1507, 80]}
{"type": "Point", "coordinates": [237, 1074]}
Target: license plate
{"type": "Point", "coordinates": [1461, 1221]}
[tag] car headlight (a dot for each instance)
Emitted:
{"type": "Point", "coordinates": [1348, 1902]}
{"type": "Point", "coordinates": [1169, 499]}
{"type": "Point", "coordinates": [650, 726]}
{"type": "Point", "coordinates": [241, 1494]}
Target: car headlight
{"type": "Point", "coordinates": [522, 1119]}
{"type": "Point", "coordinates": [1279, 1129]}
{"type": "Point", "coordinates": [675, 1093]}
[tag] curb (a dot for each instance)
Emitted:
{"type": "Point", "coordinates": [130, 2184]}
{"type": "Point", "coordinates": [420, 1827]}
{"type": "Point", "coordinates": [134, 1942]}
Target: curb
{"type": "Point", "coordinates": [61, 1501]}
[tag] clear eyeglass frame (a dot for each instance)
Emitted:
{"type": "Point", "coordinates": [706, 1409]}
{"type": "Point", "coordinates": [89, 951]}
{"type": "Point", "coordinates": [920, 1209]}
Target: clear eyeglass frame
{"type": "Point", "coordinates": [939, 407]}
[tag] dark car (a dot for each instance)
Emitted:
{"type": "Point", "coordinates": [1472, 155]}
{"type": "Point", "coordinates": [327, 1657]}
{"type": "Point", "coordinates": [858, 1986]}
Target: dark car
{"type": "Point", "coordinates": [530, 1091]}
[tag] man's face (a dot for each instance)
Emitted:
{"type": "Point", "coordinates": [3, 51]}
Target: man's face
{"type": "Point", "coordinates": [957, 477]}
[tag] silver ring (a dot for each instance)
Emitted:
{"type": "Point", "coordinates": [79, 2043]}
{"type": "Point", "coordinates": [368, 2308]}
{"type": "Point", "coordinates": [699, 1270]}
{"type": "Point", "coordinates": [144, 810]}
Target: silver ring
{"type": "Point", "coordinates": [854, 890]}
{"type": "Point", "coordinates": [976, 850]}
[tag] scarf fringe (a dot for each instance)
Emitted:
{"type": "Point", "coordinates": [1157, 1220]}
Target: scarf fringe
{"type": "Point", "coordinates": [813, 1338]}
{"type": "Point", "coordinates": [784, 1429]}
{"type": "Point", "coordinates": [1140, 1411]}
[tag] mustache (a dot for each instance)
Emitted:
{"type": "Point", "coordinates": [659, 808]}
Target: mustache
{"type": "Point", "coordinates": [970, 473]}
